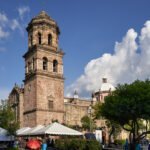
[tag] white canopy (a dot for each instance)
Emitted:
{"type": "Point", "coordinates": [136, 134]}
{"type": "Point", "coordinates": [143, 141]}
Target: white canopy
{"type": "Point", "coordinates": [32, 131]}
{"type": "Point", "coordinates": [3, 131]}
{"type": "Point", "coordinates": [22, 130]}
{"type": "Point", "coordinates": [4, 136]}
{"type": "Point", "coordinates": [57, 129]}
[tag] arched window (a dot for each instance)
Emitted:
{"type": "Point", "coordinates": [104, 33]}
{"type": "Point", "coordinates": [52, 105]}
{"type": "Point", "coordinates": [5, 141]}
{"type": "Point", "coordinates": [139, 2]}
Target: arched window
{"type": "Point", "coordinates": [49, 39]}
{"type": "Point", "coordinates": [39, 38]}
{"type": "Point", "coordinates": [45, 63]}
{"type": "Point", "coordinates": [55, 66]}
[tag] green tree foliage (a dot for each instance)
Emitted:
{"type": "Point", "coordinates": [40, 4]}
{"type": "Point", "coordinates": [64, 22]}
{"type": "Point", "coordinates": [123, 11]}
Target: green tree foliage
{"type": "Point", "coordinates": [129, 106]}
{"type": "Point", "coordinates": [88, 123]}
{"type": "Point", "coordinates": [7, 120]}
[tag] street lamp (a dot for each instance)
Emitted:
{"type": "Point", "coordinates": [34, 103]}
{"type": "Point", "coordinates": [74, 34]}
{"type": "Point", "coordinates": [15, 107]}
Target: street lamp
{"type": "Point", "coordinates": [90, 112]}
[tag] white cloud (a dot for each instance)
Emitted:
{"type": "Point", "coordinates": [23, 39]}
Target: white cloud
{"type": "Point", "coordinates": [22, 11]}
{"type": "Point", "coordinates": [3, 34]}
{"type": "Point", "coordinates": [4, 92]}
{"type": "Point", "coordinates": [16, 25]}
{"type": "Point", "coordinates": [3, 19]}
{"type": "Point", "coordinates": [129, 62]}
{"type": "Point", "coordinates": [3, 24]}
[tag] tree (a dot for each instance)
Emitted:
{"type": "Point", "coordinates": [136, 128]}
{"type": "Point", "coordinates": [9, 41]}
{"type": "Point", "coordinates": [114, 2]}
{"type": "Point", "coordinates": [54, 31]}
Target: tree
{"type": "Point", "coordinates": [129, 107]}
{"type": "Point", "coordinates": [8, 121]}
{"type": "Point", "coordinates": [113, 128]}
{"type": "Point", "coordinates": [87, 123]}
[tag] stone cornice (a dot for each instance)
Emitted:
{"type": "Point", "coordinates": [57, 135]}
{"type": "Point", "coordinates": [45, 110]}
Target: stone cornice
{"type": "Point", "coordinates": [39, 109]}
{"type": "Point", "coordinates": [43, 47]}
{"type": "Point", "coordinates": [43, 22]}
{"type": "Point", "coordinates": [77, 105]}
{"type": "Point", "coordinates": [43, 73]}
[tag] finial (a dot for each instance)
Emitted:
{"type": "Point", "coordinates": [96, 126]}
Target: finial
{"type": "Point", "coordinates": [104, 80]}
{"type": "Point", "coordinates": [42, 13]}
{"type": "Point", "coordinates": [75, 94]}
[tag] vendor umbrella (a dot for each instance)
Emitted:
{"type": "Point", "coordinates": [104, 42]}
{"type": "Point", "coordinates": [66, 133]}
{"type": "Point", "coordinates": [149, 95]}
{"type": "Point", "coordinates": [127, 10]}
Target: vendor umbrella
{"type": "Point", "coordinates": [33, 144]}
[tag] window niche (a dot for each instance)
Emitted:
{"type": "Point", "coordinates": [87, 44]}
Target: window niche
{"type": "Point", "coordinates": [29, 67]}
{"type": "Point", "coordinates": [45, 63]}
{"type": "Point", "coordinates": [55, 66]}
{"type": "Point", "coordinates": [50, 102]}
{"type": "Point", "coordinates": [49, 39]}
{"type": "Point", "coordinates": [31, 40]}
{"type": "Point", "coordinates": [39, 38]}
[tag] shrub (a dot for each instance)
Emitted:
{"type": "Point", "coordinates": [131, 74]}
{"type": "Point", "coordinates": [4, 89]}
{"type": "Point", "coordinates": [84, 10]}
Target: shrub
{"type": "Point", "coordinates": [93, 145]}
{"type": "Point", "coordinates": [60, 144]}
{"type": "Point", "coordinates": [120, 142]}
{"type": "Point", "coordinates": [77, 144]}
{"type": "Point", "coordinates": [13, 148]}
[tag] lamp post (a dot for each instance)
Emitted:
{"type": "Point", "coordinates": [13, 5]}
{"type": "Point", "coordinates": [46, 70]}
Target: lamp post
{"type": "Point", "coordinates": [89, 112]}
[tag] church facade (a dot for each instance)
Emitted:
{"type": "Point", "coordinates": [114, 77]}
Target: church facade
{"type": "Point", "coordinates": [41, 99]}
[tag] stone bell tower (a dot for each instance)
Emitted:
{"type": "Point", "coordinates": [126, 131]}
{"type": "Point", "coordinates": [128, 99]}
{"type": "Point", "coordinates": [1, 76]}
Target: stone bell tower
{"type": "Point", "coordinates": [44, 81]}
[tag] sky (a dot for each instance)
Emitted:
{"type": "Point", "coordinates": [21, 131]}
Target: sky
{"type": "Point", "coordinates": [101, 38]}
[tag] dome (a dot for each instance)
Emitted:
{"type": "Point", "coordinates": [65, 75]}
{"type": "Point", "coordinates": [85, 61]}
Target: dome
{"type": "Point", "coordinates": [106, 86]}
{"type": "Point", "coordinates": [43, 18]}
{"type": "Point", "coordinates": [41, 15]}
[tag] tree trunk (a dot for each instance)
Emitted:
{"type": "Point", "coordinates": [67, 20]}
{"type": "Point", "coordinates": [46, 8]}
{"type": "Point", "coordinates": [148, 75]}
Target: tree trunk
{"type": "Point", "coordinates": [109, 138]}
{"type": "Point", "coordinates": [133, 139]}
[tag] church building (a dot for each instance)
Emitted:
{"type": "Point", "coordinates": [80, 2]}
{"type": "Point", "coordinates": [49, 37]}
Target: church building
{"type": "Point", "coordinates": [41, 99]}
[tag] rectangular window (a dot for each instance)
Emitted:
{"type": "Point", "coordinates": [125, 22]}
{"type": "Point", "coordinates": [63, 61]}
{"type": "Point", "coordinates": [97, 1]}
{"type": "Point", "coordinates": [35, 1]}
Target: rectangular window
{"type": "Point", "coordinates": [50, 104]}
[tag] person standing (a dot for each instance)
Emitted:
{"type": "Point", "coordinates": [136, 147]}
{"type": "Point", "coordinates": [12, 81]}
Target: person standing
{"type": "Point", "coordinates": [44, 145]}
{"type": "Point", "coordinates": [138, 146]}
{"type": "Point", "coordinates": [126, 145]}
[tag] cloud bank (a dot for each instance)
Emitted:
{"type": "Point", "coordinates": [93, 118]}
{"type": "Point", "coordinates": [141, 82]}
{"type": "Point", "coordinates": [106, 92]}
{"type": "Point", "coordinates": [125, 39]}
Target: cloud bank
{"type": "Point", "coordinates": [130, 61]}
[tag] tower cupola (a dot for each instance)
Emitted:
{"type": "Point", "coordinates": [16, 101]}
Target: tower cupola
{"type": "Point", "coordinates": [43, 30]}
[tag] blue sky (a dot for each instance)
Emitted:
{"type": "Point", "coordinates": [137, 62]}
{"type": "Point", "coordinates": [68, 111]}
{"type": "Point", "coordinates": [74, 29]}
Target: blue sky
{"type": "Point", "coordinates": [89, 29]}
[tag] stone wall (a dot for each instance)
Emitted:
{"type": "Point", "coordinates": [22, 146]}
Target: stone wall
{"type": "Point", "coordinates": [75, 109]}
